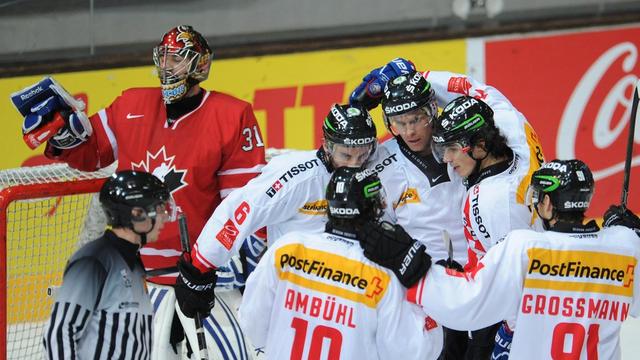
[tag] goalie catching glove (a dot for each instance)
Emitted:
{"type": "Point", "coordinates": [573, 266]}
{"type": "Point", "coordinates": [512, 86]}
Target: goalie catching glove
{"type": "Point", "coordinates": [51, 113]}
{"type": "Point", "coordinates": [194, 289]}
{"type": "Point", "coordinates": [369, 93]}
{"type": "Point", "coordinates": [390, 246]}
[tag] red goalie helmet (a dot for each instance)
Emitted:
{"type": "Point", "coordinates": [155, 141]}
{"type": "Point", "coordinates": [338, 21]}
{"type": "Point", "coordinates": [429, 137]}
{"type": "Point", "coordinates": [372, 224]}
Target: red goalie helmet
{"type": "Point", "coordinates": [182, 59]}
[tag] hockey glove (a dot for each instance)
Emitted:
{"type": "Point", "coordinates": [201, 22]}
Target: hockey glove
{"type": "Point", "coordinates": [72, 134]}
{"type": "Point", "coordinates": [390, 246]}
{"type": "Point", "coordinates": [618, 215]}
{"type": "Point", "coordinates": [50, 111]}
{"type": "Point", "coordinates": [503, 343]}
{"type": "Point", "coordinates": [194, 290]}
{"type": "Point", "coordinates": [369, 92]}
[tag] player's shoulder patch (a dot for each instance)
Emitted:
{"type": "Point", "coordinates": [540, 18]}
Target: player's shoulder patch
{"type": "Point", "coordinates": [288, 168]}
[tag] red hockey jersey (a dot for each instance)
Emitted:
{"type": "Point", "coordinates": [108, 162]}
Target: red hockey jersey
{"type": "Point", "coordinates": [202, 156]}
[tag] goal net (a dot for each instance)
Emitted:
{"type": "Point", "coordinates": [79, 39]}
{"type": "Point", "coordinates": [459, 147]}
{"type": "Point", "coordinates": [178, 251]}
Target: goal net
{"type": "Point", "coordinates": [46, 213]}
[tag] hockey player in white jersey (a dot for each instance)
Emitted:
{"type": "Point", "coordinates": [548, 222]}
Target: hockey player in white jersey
{"type": "Point", "coordinates": [573, 285]}
{"type": "Point", "coordinates": [441, 204]}
{"type": "Point", "coordinates": [570, 287]}
{"type": "Point", "coordinates": [288, 195]}
{"type": "Point", "coordinates": [317, 294]}
{"type": "Point", "coordinates": [466, 137]}
{"type": "Point", "coordinates": [418, 186]}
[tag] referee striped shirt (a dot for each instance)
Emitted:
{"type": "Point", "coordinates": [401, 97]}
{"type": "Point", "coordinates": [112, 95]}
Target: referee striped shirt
{"type": "Point", "coordinates": [102, 309]}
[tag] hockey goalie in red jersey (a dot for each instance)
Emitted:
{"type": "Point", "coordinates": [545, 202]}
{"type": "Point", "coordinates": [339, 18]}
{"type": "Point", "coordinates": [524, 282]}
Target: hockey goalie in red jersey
{"type": "Point", "coordinates": [201, 143]}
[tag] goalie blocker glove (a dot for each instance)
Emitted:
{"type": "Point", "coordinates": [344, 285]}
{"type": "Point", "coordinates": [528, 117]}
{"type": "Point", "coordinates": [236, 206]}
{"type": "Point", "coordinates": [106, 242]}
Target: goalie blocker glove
{"type": "Point", "coordinates": [194, 289]}
{"type": "Point", "coordinates": [618, 215]}
{"type": "Point", "coordinates": [369, 93]}
{"type": "Point", "coordinates": [390, 246]}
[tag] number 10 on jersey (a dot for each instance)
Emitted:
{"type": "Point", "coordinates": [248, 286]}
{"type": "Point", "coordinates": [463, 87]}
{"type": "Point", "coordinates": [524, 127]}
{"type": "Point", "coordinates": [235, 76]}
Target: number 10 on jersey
{"type": "Point", "coordinates": [318, 335]}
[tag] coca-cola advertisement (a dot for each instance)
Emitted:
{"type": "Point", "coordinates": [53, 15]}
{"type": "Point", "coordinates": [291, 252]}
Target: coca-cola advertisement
{"type": "Point", "coordinates": [577, 90]}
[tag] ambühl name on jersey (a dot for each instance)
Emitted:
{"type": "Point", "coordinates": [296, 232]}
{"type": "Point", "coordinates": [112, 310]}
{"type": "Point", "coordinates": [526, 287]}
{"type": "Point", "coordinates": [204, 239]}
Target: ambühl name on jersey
{"type": "Point", "coordinates": [330, 308]}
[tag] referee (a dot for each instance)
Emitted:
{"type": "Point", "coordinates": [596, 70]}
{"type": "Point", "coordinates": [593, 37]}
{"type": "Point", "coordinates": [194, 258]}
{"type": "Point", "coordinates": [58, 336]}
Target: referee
{"type": "Point", "coordinates": [102, 309]}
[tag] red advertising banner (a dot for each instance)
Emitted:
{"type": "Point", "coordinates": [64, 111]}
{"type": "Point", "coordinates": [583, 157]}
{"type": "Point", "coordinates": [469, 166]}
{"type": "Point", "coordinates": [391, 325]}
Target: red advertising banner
{"type": "Point", "coordinates": [576, 90]}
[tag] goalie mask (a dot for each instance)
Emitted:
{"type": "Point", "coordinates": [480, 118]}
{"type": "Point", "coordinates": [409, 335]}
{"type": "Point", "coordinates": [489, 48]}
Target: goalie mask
{"type": "Point", "coordinates": [350, 127]}
{"type": "Point", "coordinates": [408, 94]}
{"type": "Point", "coordinates": [355, 194]}
{"type": "Point", "coordinates": [133, 196]}
{"type": "Point", "coordinates": [569, 184]}
{"type": "Point", "coordinates": [182, 60]}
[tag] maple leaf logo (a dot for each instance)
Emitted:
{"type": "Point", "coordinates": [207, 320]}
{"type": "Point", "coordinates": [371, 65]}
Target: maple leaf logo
{"type": "Point", "coordinates": [161, 165]}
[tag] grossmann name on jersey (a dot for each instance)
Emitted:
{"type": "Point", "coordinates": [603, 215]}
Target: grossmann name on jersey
{"type": "Point", "coordinates": [331, 274]}
{"type": "Point", "coordinates": [580, 271]}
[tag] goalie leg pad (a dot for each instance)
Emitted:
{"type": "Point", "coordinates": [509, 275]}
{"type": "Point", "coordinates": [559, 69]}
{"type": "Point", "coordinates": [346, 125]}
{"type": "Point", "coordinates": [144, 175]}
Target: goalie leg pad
{"type": "Point", "coordinates": [224, 337]}
{"type": "Point", "coordinates": [163, 300]}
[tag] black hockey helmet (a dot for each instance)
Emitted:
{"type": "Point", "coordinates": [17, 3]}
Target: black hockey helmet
{"type": "Point", "coordinates": [355, 193]}
{"type": "Point", "coordinates": [569, 184]}
{"type": "Point", "coordinates": [407, 93]}
{"type": "Point", "coordinates": [126, 190]}
{"type": "Point", "coordinates": [349, 125]}
{"type": "Point", "coordinates": [462, 121]}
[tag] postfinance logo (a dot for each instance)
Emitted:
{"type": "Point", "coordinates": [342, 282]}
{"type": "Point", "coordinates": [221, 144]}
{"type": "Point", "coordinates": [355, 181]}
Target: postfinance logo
{"type": "Point", "coordinates": [331, 274]}
{"type": "Point", "coordinates": [580, 271]}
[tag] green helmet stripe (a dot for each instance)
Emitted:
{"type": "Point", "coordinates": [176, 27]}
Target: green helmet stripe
{"type": "Point", "coordinates": [474, 117]}
{"type": "Point", "coordinates": [426, 88]}
{"type": "Point", "coordinates": [367, 189]}
{"type": "Point", "coordinates": [328, 124]}
{"type": "Point", "coordinates": [554, 182]}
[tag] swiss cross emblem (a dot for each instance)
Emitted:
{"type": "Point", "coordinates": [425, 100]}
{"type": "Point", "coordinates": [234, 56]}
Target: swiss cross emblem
{"type": "Point", "coordinates": [162, 166]}
{"type": "Point", "coordinates": [271, 192]}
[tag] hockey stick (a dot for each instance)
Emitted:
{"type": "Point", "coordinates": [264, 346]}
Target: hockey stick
{"type": "Point", "coordinates": [627, 161]}
{"type": "Point", "coordinates": [186, 247]}
{"type": "Point", "coordinates": [449, 246]}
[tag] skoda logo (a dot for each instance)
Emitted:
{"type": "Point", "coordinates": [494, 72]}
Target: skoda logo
{"type": "Point", "coordinates": [400, 79]}
{"type": "Point", "coordinates": [353, 112]}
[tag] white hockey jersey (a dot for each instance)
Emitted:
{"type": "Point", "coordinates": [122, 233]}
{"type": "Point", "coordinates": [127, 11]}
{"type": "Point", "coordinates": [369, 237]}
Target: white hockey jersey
{"type": "Point", "coordinates": [490, 209]}
{"type": "Point", "coordinates": [288, 195]}
{"type": "Point", "coordinates": [494, 204]}
{"type": "Point", "coordinates": [570, 292]}
{"type": "Point", "coordinates": [316, 294]}
{"type": "Point", "coordinates": [426, 197]}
